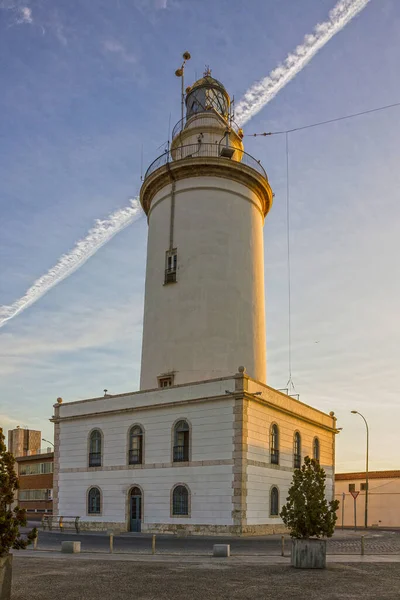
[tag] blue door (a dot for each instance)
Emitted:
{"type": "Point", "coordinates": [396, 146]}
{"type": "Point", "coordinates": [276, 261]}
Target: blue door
{"type": "Point", "coordinates": [136, 510]}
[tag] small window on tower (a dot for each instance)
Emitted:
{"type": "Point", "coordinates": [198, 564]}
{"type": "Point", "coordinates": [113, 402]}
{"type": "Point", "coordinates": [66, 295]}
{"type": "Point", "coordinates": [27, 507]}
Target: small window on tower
{"type": "Point", "coordinates": [166, 381]}
{"type": "Point", "coordinates": [171, 264]}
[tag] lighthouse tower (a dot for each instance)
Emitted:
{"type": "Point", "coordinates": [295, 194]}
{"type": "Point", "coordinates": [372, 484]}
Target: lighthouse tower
{"type": "Point", "coordinates": [214, 450]}
{"type": "Point", "coordinates": [206, 200]}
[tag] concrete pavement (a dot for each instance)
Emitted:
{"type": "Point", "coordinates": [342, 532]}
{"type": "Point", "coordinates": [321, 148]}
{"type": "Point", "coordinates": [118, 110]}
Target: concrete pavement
{"type": "Point", "coordinates": [162, 578]}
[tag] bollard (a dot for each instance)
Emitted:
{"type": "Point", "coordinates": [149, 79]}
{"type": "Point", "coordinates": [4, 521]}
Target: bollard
{"type": "Point", "coordinates": [111, 543]}
{"type": "Point", "coordinates": [35, 541]}
{"type": "Point", "coordinates": [283, 545]}
{"type": "Point", "coordinates": [153, 544]}
{"type": "Point", "coordinates": [362, 546]}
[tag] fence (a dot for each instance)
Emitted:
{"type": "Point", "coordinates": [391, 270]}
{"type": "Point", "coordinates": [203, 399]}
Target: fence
{"type": "Point", "coordinates": [201, 151]}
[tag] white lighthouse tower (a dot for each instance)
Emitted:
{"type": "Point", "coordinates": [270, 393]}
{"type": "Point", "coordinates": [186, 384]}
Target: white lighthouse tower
{"type": "Point", "coordinates": [206, 201]}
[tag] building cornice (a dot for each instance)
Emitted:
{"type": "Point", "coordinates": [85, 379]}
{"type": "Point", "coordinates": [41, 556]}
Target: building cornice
{"type": "Point", "coordinates": [235, 395]}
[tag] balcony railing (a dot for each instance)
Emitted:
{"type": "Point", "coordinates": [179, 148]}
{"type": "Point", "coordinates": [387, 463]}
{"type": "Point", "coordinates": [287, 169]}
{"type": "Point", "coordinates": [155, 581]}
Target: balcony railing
{"type": "Point", "coordinates": [181, 453]}
{"type": "Point", "coordinates": [201, 151]}
{"type": "Point", "coordinates": [274, 456]}
{"type": "Point", "coordinates": [203, 119]}
{"type": "Point", "coordinates": [135, 456]}
{"type": "Point", "coordinates": [94, 459]}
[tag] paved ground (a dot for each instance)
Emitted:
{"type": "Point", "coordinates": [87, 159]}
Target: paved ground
{"type": "Point", "coordinates": [347, 542]}
{"type": "Point", "coordinates": [206, 579]}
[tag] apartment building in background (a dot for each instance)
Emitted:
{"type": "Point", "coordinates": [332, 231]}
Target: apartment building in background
{"type": "Point", "coordinates": [34, 467]}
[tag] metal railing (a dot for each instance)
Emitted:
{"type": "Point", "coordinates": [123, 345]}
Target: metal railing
{"type": "Point", "coordinates": [94, 459]}
{"type": "Point", "coordinates": [200, 151]}
{"type": "Point", "coordinates": [62, 522]}
{"type": "Point", "coordinates": [274, 456]}
{"type": "Point", "coordinates": [203, 120]}
{"type": "Point", "coordinates": [181, 453]}
{"type": "Point", "coordinates": [135, 456]}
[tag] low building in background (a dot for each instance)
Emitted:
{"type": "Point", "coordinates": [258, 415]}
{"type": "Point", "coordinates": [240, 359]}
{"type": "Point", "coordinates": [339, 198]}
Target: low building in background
{"type": "Point", "coordinates": [383, 498]}
{"type": "Point", "coordinates": [22, 441]}
{"type": "Point", "coordinates": [35, 492]}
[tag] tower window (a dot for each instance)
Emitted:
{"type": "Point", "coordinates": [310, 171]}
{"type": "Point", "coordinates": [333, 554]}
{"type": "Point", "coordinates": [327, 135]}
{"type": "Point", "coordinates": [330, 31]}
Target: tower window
{"type": "Point", "coordinates": [166, 381]}
{"type": "Point", "coordinates": [171, 264]}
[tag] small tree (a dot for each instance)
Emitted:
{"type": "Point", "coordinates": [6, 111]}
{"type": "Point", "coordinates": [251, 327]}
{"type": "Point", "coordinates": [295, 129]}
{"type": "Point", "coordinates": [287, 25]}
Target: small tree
{"type": "Point", "coordinates": [10, 520]}
{"type": "Point", "coordinates": [307, 512]}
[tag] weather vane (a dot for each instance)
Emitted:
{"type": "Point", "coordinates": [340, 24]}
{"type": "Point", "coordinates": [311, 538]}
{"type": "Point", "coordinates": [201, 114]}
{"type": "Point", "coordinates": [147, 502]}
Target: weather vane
{"type": "Point", "coordinates": [207, 72]}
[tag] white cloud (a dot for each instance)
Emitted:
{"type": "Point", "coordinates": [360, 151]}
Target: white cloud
{"type": "Point", "coordinates": [161, 4]}
{"type": "Point", "coordinates": [118, 49]}
{"type": "Point", "coordinates": [25, 15]}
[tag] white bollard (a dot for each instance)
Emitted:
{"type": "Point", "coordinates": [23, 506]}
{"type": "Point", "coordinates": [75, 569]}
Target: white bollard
{"type": "Point", "coordinates": [71, 547]}
{"type": "Point", "coordinates": [222, 550]}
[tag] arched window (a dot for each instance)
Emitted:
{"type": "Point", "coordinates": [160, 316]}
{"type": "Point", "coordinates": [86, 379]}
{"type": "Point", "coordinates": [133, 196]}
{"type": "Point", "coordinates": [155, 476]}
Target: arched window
{"type": "Point", "coordinates": [181, 441]}
{"type": "Point", "coordinates": [180, 501]}
{"type": "Point", "coordinates": [274, 502]}
{"type": "Point", "coordinates": [297, 451]}
{"type": "Point", "coordinates": [94, 501]}
{"type": "Point", "coordinates": [316, 452]}
{"type": "Point", "coordinates": [95, 449]}
{"type": "Point", "coordinates": [136, 445]}
{"type": "Point", "coordinates": [274, 441]}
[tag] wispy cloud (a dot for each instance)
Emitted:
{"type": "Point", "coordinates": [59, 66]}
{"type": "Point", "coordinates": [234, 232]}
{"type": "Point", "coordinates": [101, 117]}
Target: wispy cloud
{"type": "Point", "coordinates": [100, 234]}
{"type": "Point", "coordinates": [262, 92]}
{"type": "Point", "coordinates": [25, 15]}
{"type": "Point", "coordinates": [114, 47]}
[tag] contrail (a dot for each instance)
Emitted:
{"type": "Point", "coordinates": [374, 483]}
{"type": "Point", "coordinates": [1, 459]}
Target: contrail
{"type": "Point", "coordinates": [256, 97]}
{"type": "Point", "coordinates": [259, 94]}
{"type": "Point", "coordinates": [99, 235]}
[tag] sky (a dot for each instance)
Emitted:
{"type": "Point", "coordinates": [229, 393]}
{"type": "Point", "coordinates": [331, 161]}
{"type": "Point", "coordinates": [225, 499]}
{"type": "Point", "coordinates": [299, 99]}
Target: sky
{"type": "Point", "coordinates": [88, 88]}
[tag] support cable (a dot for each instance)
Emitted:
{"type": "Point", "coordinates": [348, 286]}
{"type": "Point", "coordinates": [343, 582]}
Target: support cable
{"type": "Point", "coordinates": [290, 383]}
{"type": "Point", "coordinates": [351, 116]}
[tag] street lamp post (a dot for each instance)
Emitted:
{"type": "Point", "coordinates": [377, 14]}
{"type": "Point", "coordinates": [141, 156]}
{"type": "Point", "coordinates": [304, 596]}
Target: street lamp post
{"type": "Point", "coordinates": [48, 441]}
{"type": "Point", "coordinates": [355, 412]}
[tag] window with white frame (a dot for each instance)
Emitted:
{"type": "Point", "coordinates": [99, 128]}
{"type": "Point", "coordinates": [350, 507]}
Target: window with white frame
{"type": "Point", "coordinates": [36, 468]}
{"type": "Point", "coordinates": [274, 502]}
{"type": "Point", "coordinates": [297, 451]}
{"type": "Point", "coordinates": [274, 444]}
{"type": "Point", "coordinates": [171, 265]}
{"type": "Point", "coordinates": [94, 501]}
{"type": "Point", "coordinates": [95, 450]}
{"type": "Point", "coordinates": [33, 494]}
{"type": "Point", "coordinates": [180, 501]}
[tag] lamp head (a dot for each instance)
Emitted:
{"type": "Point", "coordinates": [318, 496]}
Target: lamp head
{"type": "Point", "coordinates": [179, 72]}
{"type": "Point", "coordinates": [354, 412]}
{"type": "Point", "coordinates": [186, 55]}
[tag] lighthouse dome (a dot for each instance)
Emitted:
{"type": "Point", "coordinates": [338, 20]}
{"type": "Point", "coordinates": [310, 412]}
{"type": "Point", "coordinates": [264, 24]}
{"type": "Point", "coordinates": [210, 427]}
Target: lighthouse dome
{"type": "Point", "coordinates": [207, 94]}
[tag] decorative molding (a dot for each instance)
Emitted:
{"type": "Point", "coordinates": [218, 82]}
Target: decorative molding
{"type": "Point", "coordinates": [206, 167]}
{"type": "Point", "coordinates": [206, 187]}
{"type": "Point", "coordinates": [239, 483]}
{"type": "Point", "coordinates": [168, 465]}
{"type": "Point", "coordinates": [236, 394]}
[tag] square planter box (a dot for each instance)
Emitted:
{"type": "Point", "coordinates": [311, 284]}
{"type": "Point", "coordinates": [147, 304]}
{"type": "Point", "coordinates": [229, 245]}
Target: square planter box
{"type": "Point", "coordinates": [309, 553]}
{"type": "Point", "coordinates": [5, 576]}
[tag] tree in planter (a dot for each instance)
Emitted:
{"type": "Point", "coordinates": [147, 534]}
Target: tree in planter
{"type": "Point", "coordinates": [10, 520]}
{"type": "Point", "coordinates": [307, 514]}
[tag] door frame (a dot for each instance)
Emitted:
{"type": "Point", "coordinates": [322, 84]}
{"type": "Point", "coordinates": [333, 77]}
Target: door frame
{"type": "Point", "coordinates": [128, 505]}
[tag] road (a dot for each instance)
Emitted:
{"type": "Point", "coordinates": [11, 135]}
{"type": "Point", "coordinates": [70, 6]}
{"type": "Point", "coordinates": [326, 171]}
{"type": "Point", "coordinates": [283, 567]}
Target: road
{"type": "Point", "coordinates": [382, 542]}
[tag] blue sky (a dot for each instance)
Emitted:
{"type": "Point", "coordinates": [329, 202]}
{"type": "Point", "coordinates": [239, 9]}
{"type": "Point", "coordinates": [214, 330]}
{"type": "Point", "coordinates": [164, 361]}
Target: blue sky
{"type": "Point", "coordinates": [85, 84]}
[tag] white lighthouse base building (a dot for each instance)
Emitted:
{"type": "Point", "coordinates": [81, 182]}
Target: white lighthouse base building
{"type": "Point", "coordinates": [213, 457]}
